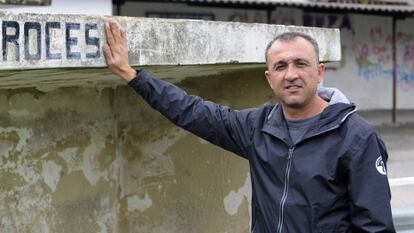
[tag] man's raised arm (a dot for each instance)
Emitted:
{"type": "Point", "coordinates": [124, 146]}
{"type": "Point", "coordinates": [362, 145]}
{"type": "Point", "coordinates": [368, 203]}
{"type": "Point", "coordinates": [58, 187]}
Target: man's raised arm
{"type": "Point", "coordinates": [215, 123]}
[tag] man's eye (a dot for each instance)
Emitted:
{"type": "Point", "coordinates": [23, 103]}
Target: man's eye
{"type": "Point", "coordinates": [278, 68]}
{"type": "Point", "coordinates": [301, 64]}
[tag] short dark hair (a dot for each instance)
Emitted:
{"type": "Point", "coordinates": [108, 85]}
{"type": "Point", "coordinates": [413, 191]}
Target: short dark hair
{"type": "Point", "coordinates": [289, 36]}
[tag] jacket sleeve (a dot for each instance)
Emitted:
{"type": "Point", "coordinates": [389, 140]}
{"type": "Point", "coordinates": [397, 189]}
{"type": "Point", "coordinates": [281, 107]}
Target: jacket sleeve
{"type": "Point", "coordinates": [369, 188]}
{"type": "Point", "coordinates": [215, 123]}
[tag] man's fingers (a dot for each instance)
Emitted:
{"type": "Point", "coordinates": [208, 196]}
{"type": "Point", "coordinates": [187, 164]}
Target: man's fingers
{"type": "Point", "coordinates": [123, 38]}
{"type": "Point", "coordinates": [116, 31]}
{"type": "Point", "coordinates": [108, 54]}
{"type": "Point", "coordinates": [109, 35]}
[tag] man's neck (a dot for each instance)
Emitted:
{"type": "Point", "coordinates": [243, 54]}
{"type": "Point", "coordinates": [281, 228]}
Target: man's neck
{"type": "Point", "coordinates": [314, 108]}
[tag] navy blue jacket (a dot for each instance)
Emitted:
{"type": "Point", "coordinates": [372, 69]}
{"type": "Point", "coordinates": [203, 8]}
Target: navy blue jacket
{"type": "Point", "coordinates": [333, 180]}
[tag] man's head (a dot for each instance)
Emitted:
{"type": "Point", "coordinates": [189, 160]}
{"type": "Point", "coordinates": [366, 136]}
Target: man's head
{"type": "Point", "coordinates": [293, 70]}
{"type": "Point", "coordinates": [289, 36]}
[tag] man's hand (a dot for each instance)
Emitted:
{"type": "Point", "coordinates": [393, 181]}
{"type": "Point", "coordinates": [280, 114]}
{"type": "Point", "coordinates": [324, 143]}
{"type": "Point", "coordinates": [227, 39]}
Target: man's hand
{"type": "Point", "coordinates": [116, 51]}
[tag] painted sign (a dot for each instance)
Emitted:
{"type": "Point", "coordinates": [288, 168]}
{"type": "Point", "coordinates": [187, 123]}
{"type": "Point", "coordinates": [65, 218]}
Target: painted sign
{"type": "Point", "coordinates": [43, 41]}
{"type": "Point", "coordinates": [35, 37]}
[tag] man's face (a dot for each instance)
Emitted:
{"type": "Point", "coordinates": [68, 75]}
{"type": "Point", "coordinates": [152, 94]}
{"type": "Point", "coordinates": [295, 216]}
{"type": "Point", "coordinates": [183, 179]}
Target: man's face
{"type": "Point", "coordinates": [293, 72]}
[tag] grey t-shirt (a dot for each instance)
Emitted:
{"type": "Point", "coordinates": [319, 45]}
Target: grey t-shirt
{"type": "Point", "coordinates": [298, 128]}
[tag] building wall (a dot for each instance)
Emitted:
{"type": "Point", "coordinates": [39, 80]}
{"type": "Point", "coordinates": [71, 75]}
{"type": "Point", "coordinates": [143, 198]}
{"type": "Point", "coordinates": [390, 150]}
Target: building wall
{"type": "Point", "coordinates": [365, 72]}
{"type": "Point", "coordinates": [405, 61]}
{"type": "Point", "coordinates": [100, 160]}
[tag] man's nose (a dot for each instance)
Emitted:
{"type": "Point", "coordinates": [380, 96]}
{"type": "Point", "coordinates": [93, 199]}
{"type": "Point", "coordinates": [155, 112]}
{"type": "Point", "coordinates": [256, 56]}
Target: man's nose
{"type": "Point", "coordinates": [291, 73]}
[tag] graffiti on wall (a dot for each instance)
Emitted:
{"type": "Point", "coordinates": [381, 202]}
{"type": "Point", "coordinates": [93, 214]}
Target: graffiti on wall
{"type": "Point", "coordinates": [405, 71]}
{"type": "Point", "coordinates": [374, 61]}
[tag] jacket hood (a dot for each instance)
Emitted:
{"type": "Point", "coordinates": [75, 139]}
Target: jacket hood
{"type": "Point", "coordinates": [332, 95]}
{"type": "Point", "coordinates": [338, 109]}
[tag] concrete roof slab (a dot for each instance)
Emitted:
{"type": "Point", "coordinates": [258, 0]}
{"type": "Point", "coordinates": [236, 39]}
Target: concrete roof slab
{"type": "Point", "coordinates": [55, 41]}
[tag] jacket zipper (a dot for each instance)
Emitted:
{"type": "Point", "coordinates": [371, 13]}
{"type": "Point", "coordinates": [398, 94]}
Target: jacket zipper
{"type": "Point", "coordinates": [287, 173]}
{"type": "Point", "coordinates": [287, 178]}
{"type": "Point", "coordinates": [285, 190]}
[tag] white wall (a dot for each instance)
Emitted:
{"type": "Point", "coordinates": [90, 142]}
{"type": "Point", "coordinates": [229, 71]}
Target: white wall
{"type": "Point", "coordinates": [365, 73]}
{"type": "Point", "coordinates": [94, 7]}
{"type": "Point", "coordinates": [405, 61]}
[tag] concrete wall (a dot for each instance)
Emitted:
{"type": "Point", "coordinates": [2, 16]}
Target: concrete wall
{"type": "Point", "coordinates": [83, 159]}
{"type": "Point", "coordinates": [365, 72]}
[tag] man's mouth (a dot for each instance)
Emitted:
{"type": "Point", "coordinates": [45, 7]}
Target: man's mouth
{"type": "Point", "coordinates": [293, 87]}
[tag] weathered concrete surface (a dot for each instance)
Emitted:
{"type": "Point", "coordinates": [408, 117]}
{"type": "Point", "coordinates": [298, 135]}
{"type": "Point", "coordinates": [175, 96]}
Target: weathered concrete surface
{"type": "Point", "coordinates": [85, 159]}
{"type": "Point", "coordinates": [47, 79]}
{"type": "Point", "coordinates": [44, 41]}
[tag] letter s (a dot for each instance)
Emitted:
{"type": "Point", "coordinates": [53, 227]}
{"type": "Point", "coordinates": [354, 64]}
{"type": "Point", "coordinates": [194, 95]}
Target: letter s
{"type": "Point", "coordinates": [92, 41]}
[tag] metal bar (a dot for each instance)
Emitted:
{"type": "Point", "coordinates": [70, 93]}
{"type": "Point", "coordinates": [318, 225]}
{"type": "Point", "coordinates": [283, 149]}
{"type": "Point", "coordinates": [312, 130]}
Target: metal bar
{"type": "Point", "coordinates": [394, 72]}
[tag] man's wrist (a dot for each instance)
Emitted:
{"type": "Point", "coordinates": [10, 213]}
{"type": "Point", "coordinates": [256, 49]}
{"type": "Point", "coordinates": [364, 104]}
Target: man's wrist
{"type": "Point", "coordinates": [129, 74]}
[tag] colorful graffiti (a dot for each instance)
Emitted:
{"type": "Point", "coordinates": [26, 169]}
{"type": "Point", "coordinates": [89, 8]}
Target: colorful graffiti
{"type": "Point", "coordinates": [408, 54]}
{"type": "Point", "coordinates": [374, 58]}
{"type": "Point", "coordinates": [372, 71]}
{"type": "Point", "coordinates": [364, 51]}
{"type": "Point", "coordinates": [406, 78]}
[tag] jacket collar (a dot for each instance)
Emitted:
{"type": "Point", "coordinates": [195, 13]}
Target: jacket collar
{"type": "Point", "coordinates": [276, 126]}
{"type": "Point", "coordinates": [338, 110]}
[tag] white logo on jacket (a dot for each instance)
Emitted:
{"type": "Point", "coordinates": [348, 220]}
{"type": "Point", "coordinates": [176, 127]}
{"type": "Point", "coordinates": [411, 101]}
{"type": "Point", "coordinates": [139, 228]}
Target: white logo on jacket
{"type": "Point", "coordinates": [380, 165]}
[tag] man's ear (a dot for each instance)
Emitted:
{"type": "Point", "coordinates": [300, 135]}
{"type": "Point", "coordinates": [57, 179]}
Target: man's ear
{"type": "Point", "coordinates": [268, 78]}
{"type": "Point", "coordinates": [321, 71]}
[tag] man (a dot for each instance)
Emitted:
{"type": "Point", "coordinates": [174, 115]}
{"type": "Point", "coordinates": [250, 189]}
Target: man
{"type": "Point", "coordinates": [315, 164]}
